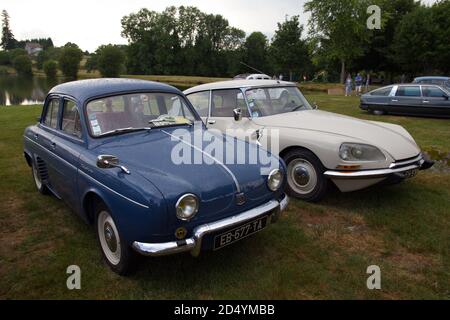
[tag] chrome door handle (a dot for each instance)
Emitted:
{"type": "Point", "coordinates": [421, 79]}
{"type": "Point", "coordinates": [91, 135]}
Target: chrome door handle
{"type": "Point", "coordinates": [36, 136]}
{"type": "Point", "coordinates": [394, 100]}
{"type": "Point", "coordinates": [211, 121]}
{"type": "Point", "coordinates": [53, 145]}
{"type": "Point", "coordinates": [426, 101]}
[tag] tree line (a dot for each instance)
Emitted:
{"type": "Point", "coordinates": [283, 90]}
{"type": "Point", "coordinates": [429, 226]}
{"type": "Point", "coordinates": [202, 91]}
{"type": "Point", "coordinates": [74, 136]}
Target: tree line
{"type": "Point", "coordinates": [413, 40]}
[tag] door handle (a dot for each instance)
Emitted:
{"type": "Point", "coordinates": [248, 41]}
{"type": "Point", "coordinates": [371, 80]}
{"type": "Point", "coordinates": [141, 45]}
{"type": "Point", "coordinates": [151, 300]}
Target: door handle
{"type": "Point", "coordinates": [53, 145]}
{"type": "Point", "coordinates": [426, 101]}
{"type": "Point", "coordinates": [211, 121]}
{"type": "Point", "coordinates": [36, 136]}
{"type": "Point", "coordinates": [394, 100]}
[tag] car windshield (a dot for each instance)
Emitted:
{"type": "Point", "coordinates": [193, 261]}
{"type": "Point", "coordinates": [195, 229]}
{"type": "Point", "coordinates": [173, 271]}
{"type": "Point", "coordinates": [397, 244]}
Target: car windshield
{"type": "Point", "coordinates": [138, 111]}
{"type": "Point", "coordinates": [265, 102]}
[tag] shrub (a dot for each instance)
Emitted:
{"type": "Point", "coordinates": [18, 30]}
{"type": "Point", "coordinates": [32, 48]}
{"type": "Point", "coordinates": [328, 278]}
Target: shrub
{"type": "Point", "coordinates": [22, 64]}
{"type": "Point", "coordinates": [69, 60]}
{"type": "Point", "coordinates": [110, 60]}
{"type": "Point", "coordinates": [50, 68]}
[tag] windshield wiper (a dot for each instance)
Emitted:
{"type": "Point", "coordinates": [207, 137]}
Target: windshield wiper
{"type": "Point", "coordinates": [123, 130]}
{"type": "Point", "coordinates": [169, 121]}
{"type": "Point", "coordinates": [297, 108]}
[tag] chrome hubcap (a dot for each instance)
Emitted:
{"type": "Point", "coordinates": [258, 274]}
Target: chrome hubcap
{"type": "Point", "coordinates": [302, 176]}
{"type": "Point", "coordinates": [109, 237]}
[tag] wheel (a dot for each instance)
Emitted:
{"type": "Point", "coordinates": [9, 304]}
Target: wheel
{"type": "Point", "coordinates": [40, 186]}
{"type": "Point", "coordinates": [305, 179]}
{"type": "Point", "coordinates": [117, 254]}
{"type": "Point", "coordinates": [379, 112]}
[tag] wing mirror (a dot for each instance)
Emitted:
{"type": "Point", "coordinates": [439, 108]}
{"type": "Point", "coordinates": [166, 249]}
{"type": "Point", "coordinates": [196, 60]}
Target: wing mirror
{"type": "Point", "coordinates": [237, 114]}
{"type": "Point", "coordinates": [109, 161]}
{"type": "Point", "coordinates": [315, 106]}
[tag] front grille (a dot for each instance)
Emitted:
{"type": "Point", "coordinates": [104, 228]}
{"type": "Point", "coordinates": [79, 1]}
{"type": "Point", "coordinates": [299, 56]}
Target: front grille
{"type": "Point", "coordinates": [407, 162]}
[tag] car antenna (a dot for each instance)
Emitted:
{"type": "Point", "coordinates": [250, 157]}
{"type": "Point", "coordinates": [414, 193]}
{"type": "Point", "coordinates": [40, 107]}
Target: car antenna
{"type": "Point", "coordinates": [259, 71]}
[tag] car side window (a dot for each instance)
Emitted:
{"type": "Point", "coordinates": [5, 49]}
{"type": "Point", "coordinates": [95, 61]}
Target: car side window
{"type": "Point", "coordinates": [382, 92]}
{"type": "Point", "coordinates": [71, 119]}
{"type": "Point", "coordinates": [200, 101]}
{"type": "Point", "coordinates": [51, 115]}
{"type": "Point", "coordinates": [225, 101]}
{"type": "Point", "coordinates": [409, 91]}
{"type": "Point", "coordinates": [432, 92]}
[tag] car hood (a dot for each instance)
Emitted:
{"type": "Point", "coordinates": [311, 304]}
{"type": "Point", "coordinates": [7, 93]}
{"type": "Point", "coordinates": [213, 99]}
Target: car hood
{"type": "Point", "coordinates": [216, 184]}
{"type": "Point", "coordinates": [393, 139]}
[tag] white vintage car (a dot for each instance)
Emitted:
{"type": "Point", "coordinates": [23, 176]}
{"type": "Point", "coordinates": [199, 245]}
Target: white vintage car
{"type": "Point", "coordinates": [317, 146]}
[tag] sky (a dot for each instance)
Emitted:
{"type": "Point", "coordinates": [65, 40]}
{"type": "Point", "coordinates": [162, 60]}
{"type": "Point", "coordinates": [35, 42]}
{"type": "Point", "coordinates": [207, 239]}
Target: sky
{"type": "Point", "coordinates": [90, 23]}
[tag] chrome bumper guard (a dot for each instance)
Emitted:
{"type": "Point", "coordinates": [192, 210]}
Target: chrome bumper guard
{"type": "Point", "coordinates": [194, 243]}
{"type": "Point", "coordinates": [418, 163]}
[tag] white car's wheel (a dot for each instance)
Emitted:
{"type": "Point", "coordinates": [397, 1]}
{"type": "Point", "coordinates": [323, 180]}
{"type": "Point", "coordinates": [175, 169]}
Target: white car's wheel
{"type": "Point", "coordinates": [117, 254]}
{"type": "Point", "coordinates": [305, 179]}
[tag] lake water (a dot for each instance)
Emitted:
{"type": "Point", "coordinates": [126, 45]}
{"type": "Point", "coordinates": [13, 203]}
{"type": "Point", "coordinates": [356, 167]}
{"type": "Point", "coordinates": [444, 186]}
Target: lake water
{"type": "Point", "coordinates": [16, 90]}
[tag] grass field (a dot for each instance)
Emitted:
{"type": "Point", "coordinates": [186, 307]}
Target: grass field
{"type": "Point", "coordinates": [316, 251]}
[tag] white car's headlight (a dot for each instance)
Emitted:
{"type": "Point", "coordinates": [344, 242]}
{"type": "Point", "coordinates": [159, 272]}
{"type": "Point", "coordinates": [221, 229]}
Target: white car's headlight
{"type": "Point", "coordinates": [360, 152]}
{"type": "Point", "coordinates": [275, 179]}
{"type": "Point", "coordinates": [187, 206]}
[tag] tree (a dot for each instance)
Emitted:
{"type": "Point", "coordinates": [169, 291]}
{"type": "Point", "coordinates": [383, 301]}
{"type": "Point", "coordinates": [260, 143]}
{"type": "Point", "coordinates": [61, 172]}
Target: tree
{"type": "Point", "coordinates": [22, 64]}
{"type": "Point", "coordinates": [340, 25]}
{"type": "Point", "coordinates": [8, 41]}
{"type": "Point", "coordinates": [255, 51]}
{"type": "Point", "coordinates": [110, 60]}
{"type": "Point", "coordinates": [50, 68]}
{"type": "Point", "coordinates": [289, 51]}
{"type": "Point", "coordinates": [69, 60]}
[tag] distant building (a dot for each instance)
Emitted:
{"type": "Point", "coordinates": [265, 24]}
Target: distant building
{"type": "Point", "coordinates": [33, 48]}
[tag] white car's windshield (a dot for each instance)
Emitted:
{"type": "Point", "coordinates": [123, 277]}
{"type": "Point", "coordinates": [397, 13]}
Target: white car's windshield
{"type": "Point", "coordinates": [139, 111]}
{"type": "Point", "coordinates": [265, 102]}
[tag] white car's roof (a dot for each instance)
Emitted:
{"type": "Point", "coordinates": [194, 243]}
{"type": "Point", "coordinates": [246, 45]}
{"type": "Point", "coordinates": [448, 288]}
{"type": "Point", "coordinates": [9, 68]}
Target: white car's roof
{"type": "Point", "coordinates": [235, 84]}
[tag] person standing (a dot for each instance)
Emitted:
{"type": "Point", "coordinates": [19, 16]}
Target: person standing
{"type": "Point", "coordinates": [348, 85]}
{"type": "Point", "coordinates": [358, 84]}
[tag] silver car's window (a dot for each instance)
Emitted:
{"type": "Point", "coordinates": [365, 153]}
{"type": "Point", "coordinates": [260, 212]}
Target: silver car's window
{"type": "Point", "coordinates": [408, 91]}
{"type": "Point", "coordinates": [264, 102]}
{"type": "Point", "coordinates": [134, 111]}
{"type": "Point", "coordinates": [200, 101]}
{"type": "Point", "coordinates": [432, 92]}
{"type": "Point", "coordinates": [382, 92]}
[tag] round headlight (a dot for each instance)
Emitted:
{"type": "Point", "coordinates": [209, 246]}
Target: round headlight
{"type": "Point", "coordinates": [360, 152]}
{"type": "Point", "coordinates": [187, 206]}
{"type": "Point", "coordinates": [275, 179]}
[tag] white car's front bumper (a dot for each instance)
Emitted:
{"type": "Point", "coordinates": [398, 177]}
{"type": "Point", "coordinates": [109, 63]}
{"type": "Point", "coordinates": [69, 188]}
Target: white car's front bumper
{"type": "Point", "coordinates": [348, 181]}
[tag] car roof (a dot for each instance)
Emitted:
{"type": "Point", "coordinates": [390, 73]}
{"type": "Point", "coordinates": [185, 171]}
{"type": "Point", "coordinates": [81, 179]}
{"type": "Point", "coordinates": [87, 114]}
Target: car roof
{"type": "Point", "coordinates": [83, 90]}
{"type": "Point", "coordinates": [432, 78]}
{"type": "Point", "coordinates": [236, 84]}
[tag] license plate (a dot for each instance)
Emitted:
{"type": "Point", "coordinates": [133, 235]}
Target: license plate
{"type": "Point", "coordinates": [410, 173]}
{"type": "Point", "coordinates": [239, 233]}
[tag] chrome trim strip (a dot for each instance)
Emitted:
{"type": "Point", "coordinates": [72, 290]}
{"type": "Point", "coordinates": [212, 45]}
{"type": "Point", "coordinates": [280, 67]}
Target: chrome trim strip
{"type": "Point", "coordinates": [113, 191]}
{"type": "Point", "coordinates": [402, 163]}
{"type": "Point", "coordinates": [194, 243]}
{"type": "Point", "coordinates": [84, 173]}
{"type": "Point", "coordinates": [211, 157]}
{"type": "Point", "coordinates": [369, 173]}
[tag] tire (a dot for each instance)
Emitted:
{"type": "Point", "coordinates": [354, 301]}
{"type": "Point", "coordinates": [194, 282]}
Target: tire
{"type": "Point", "coordinates": [305, 179]}
{"type": "Point", "coordinates": [118, 255]}
{"type": "Point", "coordinates": [40, 186]}
{"type": "Point", "coordinates": [379, 112]}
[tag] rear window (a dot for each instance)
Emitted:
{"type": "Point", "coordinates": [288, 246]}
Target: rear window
{"type": "Point", "coordinates": [412, 91]}
{"type": "Point", "coordinates": [381, 92]}
{"type": "Point", "coordinates": [432, 92]}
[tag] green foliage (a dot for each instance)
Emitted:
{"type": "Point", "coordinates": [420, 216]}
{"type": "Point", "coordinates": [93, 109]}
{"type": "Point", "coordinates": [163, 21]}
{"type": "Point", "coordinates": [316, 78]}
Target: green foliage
{"type": "Point", "coordinates": [256, 50]}
{"type": "Point", "coordinates": [69, 60]}
{"type": "Point", "coordinates": [22, 64]}
{"type": "Point", "coordinates": [110, 60]}
{"type": "Point", "coordinates": [50, 68]}
{"type": "Point", "coordinates": [8, 41]}
{"type": "Point", "coordinates": [289, 51]}
{"type": "Point", "coordinates": [5, 58]}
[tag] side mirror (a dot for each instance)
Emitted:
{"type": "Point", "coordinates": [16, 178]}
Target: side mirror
{"type": "Point", "coordinates": [109, 161]}
{"type": "Point", "coordinates": [237, 114]}
{"type": "Point", "coordinates": [315, 106]}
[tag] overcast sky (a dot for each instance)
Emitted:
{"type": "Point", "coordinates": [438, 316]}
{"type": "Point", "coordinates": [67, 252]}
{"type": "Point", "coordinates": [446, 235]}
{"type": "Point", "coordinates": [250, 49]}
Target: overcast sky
{"type": "Point", "coordinates": [90, 23]}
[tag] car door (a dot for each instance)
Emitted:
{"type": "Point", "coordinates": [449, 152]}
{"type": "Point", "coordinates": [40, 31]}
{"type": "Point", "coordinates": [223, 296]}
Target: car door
{"type": "Point", "coordinates": [407, 99]}
{"type": "Point", "coordinates": [435, 101]}
{"type": "Point", "coordinates": [222, 104]}
{"type": "Point", "coordinates": [67, 144]}
{"type": "Point", "coordinates": [48, 125]}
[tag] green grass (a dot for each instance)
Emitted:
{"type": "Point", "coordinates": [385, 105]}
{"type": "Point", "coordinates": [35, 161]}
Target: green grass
{"type": "Point", "coordinates": [316, 251]}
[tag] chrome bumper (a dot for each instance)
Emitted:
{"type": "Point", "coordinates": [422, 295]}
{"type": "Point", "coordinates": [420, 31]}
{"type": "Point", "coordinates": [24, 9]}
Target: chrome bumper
{"type": "Point", "coordinates": [395, 168]}
{"type": "Point", "coordinates": [194, 243]}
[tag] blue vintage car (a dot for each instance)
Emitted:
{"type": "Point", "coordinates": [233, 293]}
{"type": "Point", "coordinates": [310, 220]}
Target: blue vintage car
{"type": "Point", "coordinates": [107, 146]}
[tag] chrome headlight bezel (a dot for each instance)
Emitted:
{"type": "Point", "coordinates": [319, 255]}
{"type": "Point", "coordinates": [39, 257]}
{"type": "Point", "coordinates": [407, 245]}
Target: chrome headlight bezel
{"type": "Point", "coordinates": [275, 180]}
{"type": "Point", "coordinates": [180, 207]}
{"type": "Point", "coordinates": [360, 152]}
